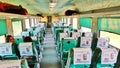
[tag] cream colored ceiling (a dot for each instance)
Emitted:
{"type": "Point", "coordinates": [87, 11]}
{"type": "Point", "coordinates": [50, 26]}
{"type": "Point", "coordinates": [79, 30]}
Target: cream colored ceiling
{"type": "Point", "coordinates": [86, 5]}
{"type": "Point", "coordinates": [42, 6]}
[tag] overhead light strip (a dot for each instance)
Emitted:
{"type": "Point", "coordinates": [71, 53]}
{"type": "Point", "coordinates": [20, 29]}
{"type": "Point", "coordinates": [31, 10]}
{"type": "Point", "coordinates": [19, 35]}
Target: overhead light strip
{"type": "Point", "coordinates": [52, 4]}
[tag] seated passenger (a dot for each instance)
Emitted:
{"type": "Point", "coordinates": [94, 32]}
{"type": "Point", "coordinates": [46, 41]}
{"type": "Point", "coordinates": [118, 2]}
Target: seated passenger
{"type": "Point", "coordinates": [29, 39]}
{"type": "Point", "coordinates": [15, 50]}
{"type": "Point", "coordinates": [31, 59]}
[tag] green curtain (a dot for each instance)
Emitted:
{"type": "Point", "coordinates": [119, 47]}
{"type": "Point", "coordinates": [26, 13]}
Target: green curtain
{"type": "Point", "coordinates": [3, 27]}
{"type": "Point", "coordinates": [86, 22]}
{"type": "Point", "coordinates": [109, 25]}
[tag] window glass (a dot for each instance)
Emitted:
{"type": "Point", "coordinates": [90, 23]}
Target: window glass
{"type": "Point", "coordinates": [35, 21]}
{"type": "Point", "coordinates": [17, 27]}
{"type": "Point", "coordinates": [32, 22]}
{"type": "Point", "coordinates": [27, 23]}
{"type": "Point", "coordinates": [74, 23]}
{"type": "Point", "coordinates": [84, 29]}
{"type": "Point", "coordinates": [62, 19]}
{"type": "Point", "coordinates": [68, 21]}
{"type": "Point", "coordinates": [65, 21]}
{"type": "Point", "coordinates": [114, 38]}
{"type": "Point", "coordinates": [2, 39]}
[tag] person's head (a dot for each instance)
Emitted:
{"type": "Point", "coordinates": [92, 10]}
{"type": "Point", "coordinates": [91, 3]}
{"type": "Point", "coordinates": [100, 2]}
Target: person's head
{"type": "Point", "coordinates": [70, 24]}
{"type": "Point", "coordinates": [27, 39]}
{"type": "Point", "coordinates": [9, 38]}
{"type": "Point", "coordinates": [63, 24]}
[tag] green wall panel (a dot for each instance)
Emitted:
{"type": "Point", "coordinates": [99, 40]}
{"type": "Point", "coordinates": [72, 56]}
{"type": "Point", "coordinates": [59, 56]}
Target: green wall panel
{"type": "Point", "coordinates": [86, 22]}
{"type": "Point", "coordinates": [3, 27]}
{"type": "Point", "coordinates": [109, 25]}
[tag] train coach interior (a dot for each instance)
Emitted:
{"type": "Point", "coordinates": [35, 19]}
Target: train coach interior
{"type": "Point", "coordinates": [59, 33]}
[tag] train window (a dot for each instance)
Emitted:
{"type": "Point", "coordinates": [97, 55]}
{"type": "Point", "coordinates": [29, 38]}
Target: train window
{"type": "Point", "coordinates": [74, 22]}
{"type": "Point", "coordinates": [2, 39]}
{"type": "Point", "coordinates": [61, 19]}
{"type": "Point", "coordinates": [114, 38]}
{"type": "Point", "coordinates": [27, 23]}
{"type": "Point", "coordinates": [65, 20]}
{"type": "Point", "coordinates": [17, 27]}
{"type": "Point", "coordinates": [84, 29]}
{"type": "Point", "coordinates": [32, 23]}
{"type": "Point", "coordinates": [68, 21]}
{"type": "Point", "coordinates": [35, 21]}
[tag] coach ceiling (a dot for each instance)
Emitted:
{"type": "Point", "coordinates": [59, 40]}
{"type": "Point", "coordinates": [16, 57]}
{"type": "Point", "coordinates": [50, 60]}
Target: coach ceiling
{"type": "Point", "coordinates": [60, 6]}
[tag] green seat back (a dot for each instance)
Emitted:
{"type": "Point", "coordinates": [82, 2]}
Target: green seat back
{"type": "Point", "coordinates": [70, 61]}
{"type": "Point", "coordinates": [67, 44]}
{"type": "Point", "coordinates": [117, 64]}
{"type": "Point", "coordinates": [96, 60]}
{"type": "Point", "coordinates": [17, 41]}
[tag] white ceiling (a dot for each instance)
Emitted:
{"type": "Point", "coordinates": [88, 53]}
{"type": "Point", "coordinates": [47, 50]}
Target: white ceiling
{"type": "Point", "coordinates": [42, 6]}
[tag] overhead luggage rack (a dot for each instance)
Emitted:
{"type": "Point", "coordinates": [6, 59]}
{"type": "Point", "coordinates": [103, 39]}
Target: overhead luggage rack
{"type": "Point", "coordinates": [10, 8]}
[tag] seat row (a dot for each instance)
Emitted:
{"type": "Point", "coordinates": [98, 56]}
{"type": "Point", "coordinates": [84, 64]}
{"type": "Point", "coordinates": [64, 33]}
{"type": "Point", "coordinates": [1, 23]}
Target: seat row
{"type": "Point", "coordinates": [75, 45]}
{"type": "Point", "coordinates": [27, 49]}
